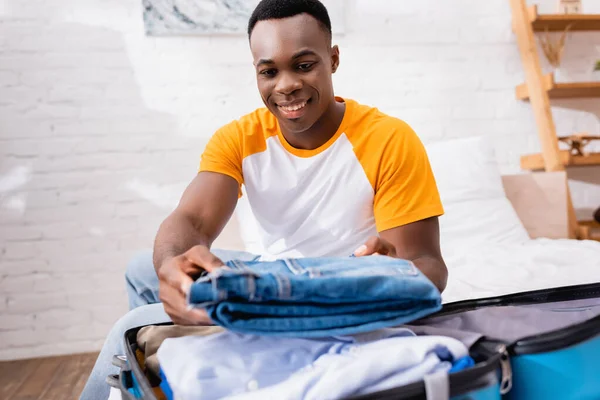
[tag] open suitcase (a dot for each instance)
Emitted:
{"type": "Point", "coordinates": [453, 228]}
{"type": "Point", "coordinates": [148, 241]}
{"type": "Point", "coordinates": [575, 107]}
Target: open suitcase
{"type": "Point", "coordinates": [542, 344]}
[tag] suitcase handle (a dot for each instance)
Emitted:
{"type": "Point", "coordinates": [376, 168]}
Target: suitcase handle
{"type": "Point", "coordinates": [113, 381]}
{"type": "Point", "coordinates": [437, 386]}
{"type": "Point", "coordinates": [120, 362]}
{"type": "Point", "coordinates": [123, 381]}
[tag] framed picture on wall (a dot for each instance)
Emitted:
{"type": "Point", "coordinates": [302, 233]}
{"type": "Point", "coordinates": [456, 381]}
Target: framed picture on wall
{"type": "Point", "coordinates": [209, 17]}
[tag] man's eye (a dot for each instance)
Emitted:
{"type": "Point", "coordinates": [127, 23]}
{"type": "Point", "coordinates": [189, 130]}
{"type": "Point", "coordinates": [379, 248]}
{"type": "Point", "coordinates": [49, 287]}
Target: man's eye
{"type": "Point", "coordinates": [268, 72]}
{"type": "Point", "coordinates": [305, 66]}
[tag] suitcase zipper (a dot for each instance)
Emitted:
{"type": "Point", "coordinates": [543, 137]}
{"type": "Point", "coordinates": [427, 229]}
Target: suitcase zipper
{"type": "Point", "coordinates": [557, 340]}
{"type": "Point", "coordinates": [542, 343]}
{"type": "Point", "coordinates": [506, 374]}
{"type": "Point", "coordinates": [564, 293]}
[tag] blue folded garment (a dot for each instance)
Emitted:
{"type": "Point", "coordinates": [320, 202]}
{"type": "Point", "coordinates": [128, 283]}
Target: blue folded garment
{"type": "Point", "coordinates": [462, 364]}
{"type": "Point", "coordinates": [315, 297]}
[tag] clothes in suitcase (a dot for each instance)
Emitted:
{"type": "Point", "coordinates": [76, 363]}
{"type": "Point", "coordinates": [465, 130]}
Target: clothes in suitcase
{"type": "Point", "coordinates": [253, 367]}
{"type": "Point", "coordinates": [140, 385]}
{"type": "Point", "coordinates": [542, 344]}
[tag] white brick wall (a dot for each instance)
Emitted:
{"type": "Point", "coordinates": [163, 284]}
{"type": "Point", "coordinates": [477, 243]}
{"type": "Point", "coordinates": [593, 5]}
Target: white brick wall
{"type": "Point", "coordinates": [101, 128]}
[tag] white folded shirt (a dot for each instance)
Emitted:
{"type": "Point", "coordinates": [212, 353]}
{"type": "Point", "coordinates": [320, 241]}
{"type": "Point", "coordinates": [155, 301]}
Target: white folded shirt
{"type": "Point", "coordinates": [238, 366]}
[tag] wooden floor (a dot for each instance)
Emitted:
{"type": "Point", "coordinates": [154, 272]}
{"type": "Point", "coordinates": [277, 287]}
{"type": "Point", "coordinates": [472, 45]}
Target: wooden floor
{"type": "Point", "coordinates": [53, 378]}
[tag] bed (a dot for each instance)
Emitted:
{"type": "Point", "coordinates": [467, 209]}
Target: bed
{"type": "Point", "coordinates": [505, 234]}
{"type": "Point", "coordinates": [499, 269]}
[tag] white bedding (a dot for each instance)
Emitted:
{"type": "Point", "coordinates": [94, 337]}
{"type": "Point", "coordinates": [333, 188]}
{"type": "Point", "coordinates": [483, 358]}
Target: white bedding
{"type": "Point", "coordinates": [498, 269]}
{"type": "Point", "coordinates": [484, 243]}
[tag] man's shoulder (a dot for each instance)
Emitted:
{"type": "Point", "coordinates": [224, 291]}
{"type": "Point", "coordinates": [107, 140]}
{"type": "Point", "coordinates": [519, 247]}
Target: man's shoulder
{"type": "Point", "coordinates": [376, 124]}
{"type": "Point", "coordinates": [260, 121]}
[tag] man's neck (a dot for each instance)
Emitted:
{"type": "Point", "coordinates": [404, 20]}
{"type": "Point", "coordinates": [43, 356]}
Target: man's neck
{"type": "Point", "coordinates": [321, 131]}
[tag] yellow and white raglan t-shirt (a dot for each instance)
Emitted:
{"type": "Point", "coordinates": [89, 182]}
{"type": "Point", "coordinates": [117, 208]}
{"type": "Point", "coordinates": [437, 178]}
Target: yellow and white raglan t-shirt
{"type": "Point", "coordinates": [372, 175]}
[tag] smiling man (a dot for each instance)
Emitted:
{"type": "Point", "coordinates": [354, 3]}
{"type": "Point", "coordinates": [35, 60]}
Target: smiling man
{"type": "Point", "coordinates": [324, 176]}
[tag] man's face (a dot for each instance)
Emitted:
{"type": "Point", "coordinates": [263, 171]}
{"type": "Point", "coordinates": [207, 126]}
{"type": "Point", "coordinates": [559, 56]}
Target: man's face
{"type": "Point", "coordinates": [294, 62]}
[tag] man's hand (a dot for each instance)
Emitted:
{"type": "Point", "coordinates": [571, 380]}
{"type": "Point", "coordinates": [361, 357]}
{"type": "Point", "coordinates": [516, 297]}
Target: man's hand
{"type": "Point", "coordinates": [418, 242]}
{"type": "Point", "coordinates": [376, 246]}
{"type": "Point", "coordinates": [205, 207]}
{"type": "Point", "coordinates": [176, 275]}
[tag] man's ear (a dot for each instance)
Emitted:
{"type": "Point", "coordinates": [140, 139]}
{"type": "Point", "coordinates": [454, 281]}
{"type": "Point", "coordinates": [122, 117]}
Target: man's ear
{"type": "Point", "coordinates": [335, 58]}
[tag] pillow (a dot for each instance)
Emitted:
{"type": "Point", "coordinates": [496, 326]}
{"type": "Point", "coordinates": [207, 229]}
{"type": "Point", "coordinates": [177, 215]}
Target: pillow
{"type": "Point", "coordinates": [476, 208]}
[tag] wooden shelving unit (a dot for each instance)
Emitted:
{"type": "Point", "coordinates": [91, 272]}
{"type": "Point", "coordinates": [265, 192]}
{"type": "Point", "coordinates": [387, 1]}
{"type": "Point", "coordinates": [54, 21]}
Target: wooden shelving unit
{"type": "Point", "coordinates": [536, 161]}
{"type": "Point", "coordinates": [559, 22]}
{"type": "Point", "coordinates": [562, 90]}
{"type": "Point", "coordinates": [538, 89]}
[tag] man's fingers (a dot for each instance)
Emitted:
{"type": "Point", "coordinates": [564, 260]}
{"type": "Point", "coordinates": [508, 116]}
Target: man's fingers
{"type": "Point", "coordinates": [177, 308]}
{"type": "Point", "coordinates": [175, 276]}
{"type": "Point", "coordinates": [360, 251]}
{"type": "Point", "coordinates": [375, 245]}
{"type": "Point", "coordinates": [371, 246]}
{"type": "Point", "coordinates": [171, 296]}
{"type": "Point", "coordinates": [202, 257]}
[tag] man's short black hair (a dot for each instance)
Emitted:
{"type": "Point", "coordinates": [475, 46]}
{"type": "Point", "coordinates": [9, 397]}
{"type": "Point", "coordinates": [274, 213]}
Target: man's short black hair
{"type": "Point", "coordinates": [279, 9]}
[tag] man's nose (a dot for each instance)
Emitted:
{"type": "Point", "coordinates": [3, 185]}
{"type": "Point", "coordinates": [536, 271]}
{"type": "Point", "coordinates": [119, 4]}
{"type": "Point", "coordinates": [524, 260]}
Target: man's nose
{"type": "Point", "coordinates": [288, 83]}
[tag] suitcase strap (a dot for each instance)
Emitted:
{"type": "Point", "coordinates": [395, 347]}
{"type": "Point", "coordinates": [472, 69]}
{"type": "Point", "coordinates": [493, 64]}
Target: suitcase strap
{"type": "Point", "coordinates": [437, 386]}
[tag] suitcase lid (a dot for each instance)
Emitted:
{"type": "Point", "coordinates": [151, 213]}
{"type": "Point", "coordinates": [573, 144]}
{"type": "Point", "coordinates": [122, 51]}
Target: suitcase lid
{"type": "Point", "coordinates": [583, 300]}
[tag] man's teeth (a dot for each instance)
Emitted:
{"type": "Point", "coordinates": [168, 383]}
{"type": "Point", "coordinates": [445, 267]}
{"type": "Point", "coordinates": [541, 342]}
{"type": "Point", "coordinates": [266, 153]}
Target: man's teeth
{"type": "Point", "coordinates": [295, 107]}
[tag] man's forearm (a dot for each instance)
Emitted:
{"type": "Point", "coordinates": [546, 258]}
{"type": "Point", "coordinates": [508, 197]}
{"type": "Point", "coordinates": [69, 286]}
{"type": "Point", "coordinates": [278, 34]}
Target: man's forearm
{"type": "Point", "coordinates": [434, 269]}
{"type": "Point", "coordinates": [176, 235]}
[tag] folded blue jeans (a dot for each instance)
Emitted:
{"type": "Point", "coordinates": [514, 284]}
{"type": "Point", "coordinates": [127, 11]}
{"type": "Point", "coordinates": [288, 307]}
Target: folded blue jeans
{"type": "Point", "coordinates": [315, 297]}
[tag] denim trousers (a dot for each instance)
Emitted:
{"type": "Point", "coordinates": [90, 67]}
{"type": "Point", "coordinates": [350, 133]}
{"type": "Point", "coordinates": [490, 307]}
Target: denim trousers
{"type": "Point", "coordinates": [145, 309]}
{"type": "Point", "coordinates": [315, 297]}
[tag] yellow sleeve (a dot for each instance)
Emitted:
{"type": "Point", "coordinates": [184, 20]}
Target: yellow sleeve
{"type": "Point", "coordinates": [223, 153]}
{"type": "Point", "coordinates": [405, 190]}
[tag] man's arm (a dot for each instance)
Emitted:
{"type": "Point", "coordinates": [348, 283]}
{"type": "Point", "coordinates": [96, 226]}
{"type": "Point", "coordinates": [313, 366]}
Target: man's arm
{"type": "Point", "coordinates": [407, 202]}
{"type": "Point", "coordinates": [418, 242]}
{"type": "Point", "coordinates": [203, 211]}
{"type": "Point", "coordinates": [181, 248]}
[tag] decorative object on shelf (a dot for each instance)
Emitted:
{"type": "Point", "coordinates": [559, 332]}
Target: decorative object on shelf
{"type": "Point", "coordinates": [597, 215]}
{"type": "Point", "coordinates": [553, 50]}
{"type": "Point", "coordinates": [569, 7]}
{"type": "Point", "coordinates": [577, 142]}
{"type": "Point", "coordinates": [596, 70]}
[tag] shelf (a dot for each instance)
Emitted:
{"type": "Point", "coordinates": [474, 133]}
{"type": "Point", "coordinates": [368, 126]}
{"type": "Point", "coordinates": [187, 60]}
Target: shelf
{"type": "Point", "coordinates": [562, 90]}
{"type": "Point", "coordinates": [536, 161]}
{"type": "Point", "coordinates": [589, 230]}
{"type": "Point", "coordinates": [590, 223]}
{"type": "Point", "coordinates": [559, 22]}
{"type": "Point", "coordinates": [539, 89]}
